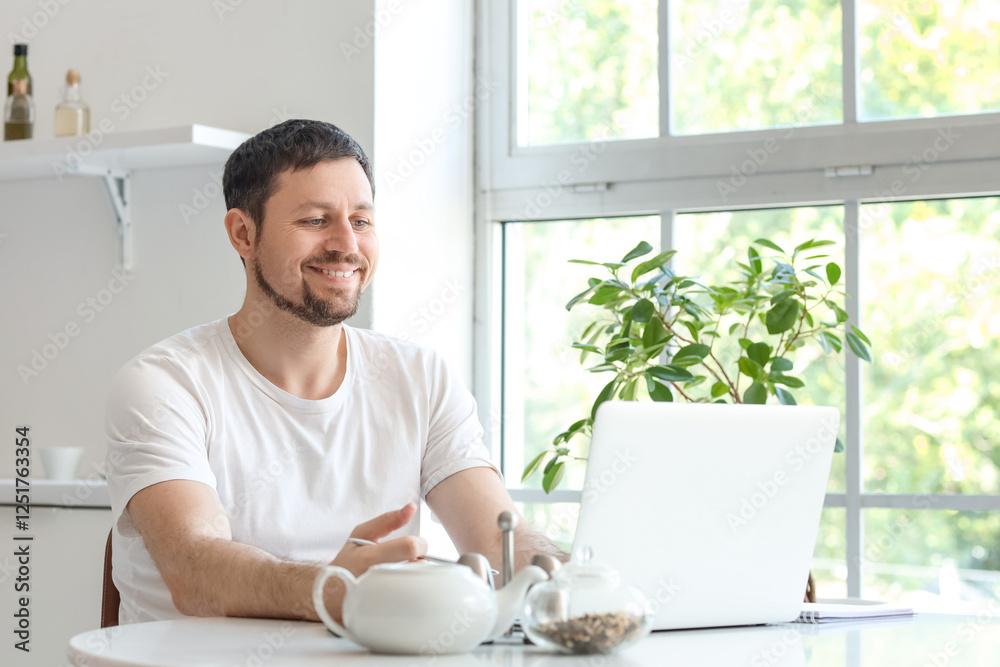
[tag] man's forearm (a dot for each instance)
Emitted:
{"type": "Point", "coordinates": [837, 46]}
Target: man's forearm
{"type": "Point", "coordinates": [223, 578]}
{"type": "Point", "coordinates": [528, 542]}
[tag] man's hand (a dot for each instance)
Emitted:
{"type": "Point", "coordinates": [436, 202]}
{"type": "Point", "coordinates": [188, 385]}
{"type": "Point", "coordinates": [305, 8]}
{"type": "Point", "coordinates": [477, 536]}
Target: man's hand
{"type": "Point", "coordinates": [468, 504]}
{"type": "Point", "coordinates": [357, 558]}
{"type": "Point", "coordinates": [187, 534]}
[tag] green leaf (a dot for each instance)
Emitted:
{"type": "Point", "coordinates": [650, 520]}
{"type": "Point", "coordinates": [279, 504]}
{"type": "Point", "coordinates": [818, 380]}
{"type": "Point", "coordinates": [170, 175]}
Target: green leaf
{"type": "Point", "coordinates": [842, 315]}
{"type": "Point", "coordinates": [576, 299]}
{"type": "Point", "coordinates": [832, 340]}
{"type": "Point", "coordinates": [691, 327]}
{"type": "Point", "coordinates": [643, 310]}
{"type": "Point", "coordinates": [745, 342]}
{"type": "Point", "coordinates": [781, 364]}
{"type": "Point", "coordinates": [860, 335]}
{"type": "Point", "coordinates": [769, 244]}
{"type": "Point", "coordinates": [605, 294]}
{"type": "Point", "coordinates": [839, 447]}
{"type": "Point", "coordinates": [654, 333]}
{"type": "Point", "coordinates": [858, 346]}
{"type": "Point", "coordinates": [619, 353]}
{"type": "Point", "coordinates": [719, 389]}
{"type": "Point", "coordinates": [696, 350]}
{"type": "Point", "coordinates": [784, 396]}
{"type": "Point", "coordinates": [733, 327]}
{"type": "Point", "coordinates": [650, 264]}
{"type": "Point", "coordinates": [756, 266]}
{"type": "Point", "coordinates": [832, 273]}
{"type": "Point", "coordinates": [669, 373]}
{"type": "Point", "coordinates": [578, 425]}
{"type": "Point", "coordinates": [530, 469]}
{"type": "Point", "coordinates": [812, 243]}
{"type": "Point", "coordinates": [781, 296]}
{"type": "Point", "coordinates": [759, 352]}
{"type": "Point", "coordinates": [588, 348]}
{"type": "Point", "coordinates": [661, 393]}
{"type": "Point", "coordinates": [628, 391]}
{"type": "Point", "coordinates": [750, 368]}
{"type": "Point", "coordinates": [755, 394]}
{"type": "Point", "coordinates": [782, 317]}
{"type": "Point", "coordinates": [606, 393]}
{"type": "Point", "coordinates": [584, 261]}
{"type": "Point", "coordinates": [553, 477]}
{"type": "Point", "coordinates": [788, 381]}
{"type": "Point", "coordinates": [642, 249]}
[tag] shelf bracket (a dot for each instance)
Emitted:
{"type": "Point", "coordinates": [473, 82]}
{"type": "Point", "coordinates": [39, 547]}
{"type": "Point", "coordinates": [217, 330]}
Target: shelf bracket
{"type": "Point", "coordinates": [118, 183]}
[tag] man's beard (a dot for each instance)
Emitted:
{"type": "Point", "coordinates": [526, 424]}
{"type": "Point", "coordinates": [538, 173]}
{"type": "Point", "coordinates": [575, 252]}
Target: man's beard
{"type": "Point", "coordinates": [313, 309]}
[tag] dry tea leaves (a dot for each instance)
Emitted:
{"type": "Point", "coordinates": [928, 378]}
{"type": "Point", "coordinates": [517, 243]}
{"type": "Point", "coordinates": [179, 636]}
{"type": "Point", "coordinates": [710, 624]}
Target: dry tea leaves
{"type": "Point", "coordinates": [592, 633]}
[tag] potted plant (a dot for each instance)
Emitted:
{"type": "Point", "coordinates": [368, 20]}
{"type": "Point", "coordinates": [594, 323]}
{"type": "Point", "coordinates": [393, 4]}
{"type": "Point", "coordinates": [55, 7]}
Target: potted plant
{"type": "Point", "coordinates": [668, 337]}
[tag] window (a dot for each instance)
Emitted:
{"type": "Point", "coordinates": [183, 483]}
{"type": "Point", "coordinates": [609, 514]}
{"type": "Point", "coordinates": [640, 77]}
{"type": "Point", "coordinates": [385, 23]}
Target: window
{"type": "Point", "coordinates": [701, 126]}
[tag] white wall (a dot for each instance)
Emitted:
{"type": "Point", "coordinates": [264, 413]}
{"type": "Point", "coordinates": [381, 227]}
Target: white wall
{"type": "Point", "coordinates": [245, 69]}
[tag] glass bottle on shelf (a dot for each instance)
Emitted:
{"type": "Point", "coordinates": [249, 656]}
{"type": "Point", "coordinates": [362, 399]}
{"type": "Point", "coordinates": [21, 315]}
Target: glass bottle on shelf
{"type": "Point", "coordinates": [20, 71]}
{"type": "Point", "coordinates": [72, 116]}
{"type": "Point", "coordinates": [18, 113]}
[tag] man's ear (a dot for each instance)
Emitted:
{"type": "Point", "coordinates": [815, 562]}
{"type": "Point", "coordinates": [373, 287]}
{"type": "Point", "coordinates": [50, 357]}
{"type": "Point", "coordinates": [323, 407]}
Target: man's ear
{"type": "Point", "coordinates": [242, 232]}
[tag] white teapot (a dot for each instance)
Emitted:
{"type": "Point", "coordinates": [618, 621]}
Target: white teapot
{"type": "Point", "coordinates": [423, 608]}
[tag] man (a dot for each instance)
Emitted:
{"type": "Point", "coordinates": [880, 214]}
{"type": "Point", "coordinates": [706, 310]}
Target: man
{"type": "Point", "coordinates": [244, 452]}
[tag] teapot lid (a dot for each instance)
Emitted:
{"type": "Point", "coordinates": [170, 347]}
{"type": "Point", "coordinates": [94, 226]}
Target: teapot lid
{"type": "Point", "coordinates": [418, 567]}
{"type": "Point", "coordinates": [582, 570]}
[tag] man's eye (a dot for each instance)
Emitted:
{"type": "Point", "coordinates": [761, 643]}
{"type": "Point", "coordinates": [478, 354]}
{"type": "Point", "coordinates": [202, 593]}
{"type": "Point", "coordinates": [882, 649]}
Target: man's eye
{"type": "Point", "coordinates": [315, 222]}
{"type": "Point", "coordinates": [361, 223]}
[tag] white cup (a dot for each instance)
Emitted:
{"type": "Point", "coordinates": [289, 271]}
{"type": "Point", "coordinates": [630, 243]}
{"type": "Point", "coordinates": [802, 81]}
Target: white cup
{"type": "Point", "coordinates": [60, 462]}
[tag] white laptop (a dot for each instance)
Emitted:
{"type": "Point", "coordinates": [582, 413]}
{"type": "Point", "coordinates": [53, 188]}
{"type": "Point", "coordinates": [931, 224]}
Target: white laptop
{"type": "Point", "coordinates": [711, 510]}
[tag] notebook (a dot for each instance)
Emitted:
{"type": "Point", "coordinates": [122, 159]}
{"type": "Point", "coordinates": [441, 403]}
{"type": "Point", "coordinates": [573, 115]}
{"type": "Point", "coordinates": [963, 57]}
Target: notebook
{"type": "Point", "coordinates": [825, 612]}
{"type": "Point", "coordinates": [711, 510]}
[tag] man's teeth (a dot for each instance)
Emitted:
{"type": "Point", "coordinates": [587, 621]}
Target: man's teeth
{"type": "Point", "coordinates": [337, 274]}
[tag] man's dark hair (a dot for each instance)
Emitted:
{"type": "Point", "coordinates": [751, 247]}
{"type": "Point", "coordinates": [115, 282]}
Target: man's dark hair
{"type": "Point", "coordinates": [252, 170]}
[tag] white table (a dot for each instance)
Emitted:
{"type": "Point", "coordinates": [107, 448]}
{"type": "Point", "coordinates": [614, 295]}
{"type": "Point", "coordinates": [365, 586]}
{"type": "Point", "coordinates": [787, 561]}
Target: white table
{"type": "Point", "coordinates": [944, 641]}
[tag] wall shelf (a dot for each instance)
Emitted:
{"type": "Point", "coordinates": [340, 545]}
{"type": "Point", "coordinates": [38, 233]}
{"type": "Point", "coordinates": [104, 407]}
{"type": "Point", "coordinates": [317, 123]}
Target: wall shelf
{"type": "Point", "coordinates": [113, 156]}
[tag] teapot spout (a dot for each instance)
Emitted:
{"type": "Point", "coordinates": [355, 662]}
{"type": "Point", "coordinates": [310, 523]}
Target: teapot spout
{"type": "Point", "coordinates": [510, 598]}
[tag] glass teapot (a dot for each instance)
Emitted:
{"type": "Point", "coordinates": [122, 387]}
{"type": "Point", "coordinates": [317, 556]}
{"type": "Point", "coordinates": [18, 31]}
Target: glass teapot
{"type": "Point", "coordinates": [585, 608]}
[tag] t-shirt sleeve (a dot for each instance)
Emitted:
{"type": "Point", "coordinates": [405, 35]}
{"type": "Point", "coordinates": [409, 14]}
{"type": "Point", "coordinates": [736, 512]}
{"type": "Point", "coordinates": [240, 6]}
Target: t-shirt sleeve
{"type": "Point", "coordinates": [156, 425]}
{"type": "Point", "coordinates": [455, 436]}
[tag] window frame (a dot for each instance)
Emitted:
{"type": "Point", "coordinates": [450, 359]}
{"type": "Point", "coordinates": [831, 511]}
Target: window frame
{"type": "Point", "coordinates": [849, 164]}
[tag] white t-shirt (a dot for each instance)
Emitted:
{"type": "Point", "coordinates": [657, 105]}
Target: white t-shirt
{"type": "Point", "coordinates": [295, 476]}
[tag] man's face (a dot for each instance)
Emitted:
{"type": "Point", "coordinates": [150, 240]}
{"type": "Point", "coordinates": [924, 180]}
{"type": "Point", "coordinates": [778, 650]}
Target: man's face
{"type": "Point", "coordinates": [316, 249]}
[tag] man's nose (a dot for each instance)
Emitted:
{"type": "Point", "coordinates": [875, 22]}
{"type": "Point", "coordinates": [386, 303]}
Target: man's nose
{"type": "Point", "coordinates": [341, 236]}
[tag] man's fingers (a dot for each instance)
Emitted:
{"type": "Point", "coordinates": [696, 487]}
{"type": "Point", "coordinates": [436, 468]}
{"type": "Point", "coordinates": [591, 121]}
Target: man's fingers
{"type": "Point", "coordinates": [399, 549]}
{"type": "Point", "coordinates": [384, 524]}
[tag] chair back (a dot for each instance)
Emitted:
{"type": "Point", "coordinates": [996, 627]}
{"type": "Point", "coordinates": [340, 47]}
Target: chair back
{"type": "Point", "coordinates": [110, 599]}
